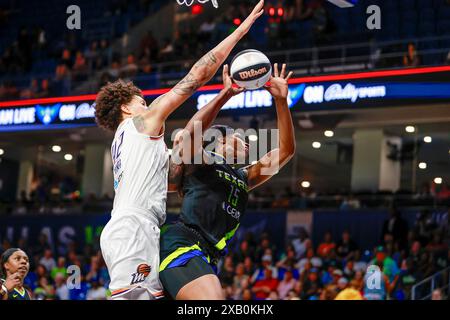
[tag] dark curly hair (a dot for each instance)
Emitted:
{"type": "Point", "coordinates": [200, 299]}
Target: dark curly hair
{"type": "Point", "coordinates": [108, 112]}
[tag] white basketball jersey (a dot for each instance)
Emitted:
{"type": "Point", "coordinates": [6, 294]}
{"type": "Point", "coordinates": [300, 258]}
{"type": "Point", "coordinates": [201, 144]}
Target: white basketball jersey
{"type": "Point", "coordinates": [140, 166]}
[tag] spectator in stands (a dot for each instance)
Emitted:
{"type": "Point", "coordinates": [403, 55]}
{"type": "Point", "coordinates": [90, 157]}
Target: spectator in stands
{"type": "Point", "coordinates": [286, 285]}
{"type": "Point", "coordinates": [130, 69]}
{"type": "Point", "coordinates": [437, 295]}
{"type": "Point", "coordinates": [397, 227]}
{"type": "Point", "coordinates": [263, 246]}
{"type": "Point", "coordinates": [327, 245]}
{"type": "Point", "coordinates": [80, 67]}
{"type": "Point", "coordinates": [350, 203]}
{"type": "Point", "coordinates": [346, 247]}
{"type": "Point", "coordinates": [266, 264]}
{"type": "Point", "coordinates": [388, 266]}
{"type": "Point", "coordinates": [60, 268]}
{"type": "Point", "coordinates": [227, 273]}
{"type": "Point", "coordinates": [265, 285]}
{"type": "Point", "coordinates": [61, 289]}
{"type": "Point", "coordinates": [288, 261]}
{"type": "Point", "coordinates": [347, 292]}
{"type": "Point", "coordinates": [91, 55]}
{"type": "Point", "coordinates": [96, 292]}
{"type": "Point", "coordinates": [48, 261]}
{"type": "Point", "coordinates": [424, 226]}
{"type": "Point", "coordinates": [311, 284]}
{"type": "Point", "coordinates": [329, 293]}
{"type": "Point", "coordinates": [244, 251]}
{"type": "Point", "coordinates": [249, 266]}
{"type": "Point", "coordinates": [411, 58]}
{"type": "Point", "coordinates": [300, 243]}
{"type": "Point", "coordinates": [44, 92]}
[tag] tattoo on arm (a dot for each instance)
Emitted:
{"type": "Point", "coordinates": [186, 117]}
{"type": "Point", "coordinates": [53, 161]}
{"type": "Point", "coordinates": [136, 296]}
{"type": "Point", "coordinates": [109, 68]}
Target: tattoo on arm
{"type": "Point", "coordinates": [187, 86]}
{"type": "Point", "coordinates": [208, 59]}
{"type": "Point", "coordinates": [191, 83]}
{"type": "Point", "coordinates": [139, 123]}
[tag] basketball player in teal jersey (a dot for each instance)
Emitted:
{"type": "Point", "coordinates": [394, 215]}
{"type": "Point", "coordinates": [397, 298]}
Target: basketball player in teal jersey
{"type": "Point", "coordinates": [215, 195]}
{"type": "Point", "coordinates": [14, 268]}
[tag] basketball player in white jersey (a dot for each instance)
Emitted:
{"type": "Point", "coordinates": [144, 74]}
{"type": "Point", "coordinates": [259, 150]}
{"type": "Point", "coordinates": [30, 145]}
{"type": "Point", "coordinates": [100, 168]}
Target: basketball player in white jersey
{"type": "Point", "coordinates": [130, 240]}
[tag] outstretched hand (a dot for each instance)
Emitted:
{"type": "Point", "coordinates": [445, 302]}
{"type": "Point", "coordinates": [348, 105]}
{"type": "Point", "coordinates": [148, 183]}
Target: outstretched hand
{"type": "Point", "coordinates": [278, 86]}
{"type": "Point", "coordinates": [228, 83]}
{"type": "Point", "coordinates": [256, 13]}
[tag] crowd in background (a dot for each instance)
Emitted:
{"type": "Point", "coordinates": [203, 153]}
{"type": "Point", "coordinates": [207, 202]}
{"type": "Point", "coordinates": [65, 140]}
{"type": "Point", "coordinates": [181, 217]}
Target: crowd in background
{"type": "Point", "coordinates": [73, 59]}
{"type": "Point", "coordinates": [333, 269]}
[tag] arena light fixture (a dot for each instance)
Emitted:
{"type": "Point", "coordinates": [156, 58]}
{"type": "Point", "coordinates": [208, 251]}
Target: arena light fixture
{"type": "Point", "coordinates": [305, 184]}
{"type": "Point", "coordinates": [410, 129]}
{"type": "Point", "coordinates": [438, 180]}
{"type": "Point", "coordinates": [56, 148]}
{"type": "Point", "coordinates": [329, 133]}
{"type": "Point", "coordinates": [427, 139]}
{"type": "Point", "coordinates": [68, 157]}
{"type": "Point", "coordinates": [316, 145]}
{"type": "Point", "coordinates": [2, 152]}
{"type": "Point", "coordinates": [423, 165]}
{"type": "Point", "coordinates": [253, 137]}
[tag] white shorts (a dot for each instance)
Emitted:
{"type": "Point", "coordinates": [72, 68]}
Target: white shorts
{"type": "Point", "coordinates": [130, 248]}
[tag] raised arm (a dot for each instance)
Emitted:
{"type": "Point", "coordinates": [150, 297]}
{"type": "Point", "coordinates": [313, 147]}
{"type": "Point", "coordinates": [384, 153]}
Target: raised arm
{"type": "Point", "coordinates": [185, 143]}
{"type": "Point", "coordinates": [270, 163]}
{"type": "Point", "coordinates": [152, 121]}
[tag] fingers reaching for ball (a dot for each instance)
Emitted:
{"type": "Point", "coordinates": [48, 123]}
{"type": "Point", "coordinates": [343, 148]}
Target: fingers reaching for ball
{"type": "Point", "coordinates": [282, 75]}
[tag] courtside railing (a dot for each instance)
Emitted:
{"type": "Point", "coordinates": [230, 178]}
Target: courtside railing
{"type": "Point", "coordinates": [424, 289]}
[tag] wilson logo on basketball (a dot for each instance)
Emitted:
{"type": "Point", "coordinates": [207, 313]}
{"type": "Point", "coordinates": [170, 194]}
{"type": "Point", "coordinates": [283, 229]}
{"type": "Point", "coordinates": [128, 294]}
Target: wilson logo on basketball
{"type": "Point", "coordinates": [252, 73]}
{"type": "Point", "coordinates": [143, 270]}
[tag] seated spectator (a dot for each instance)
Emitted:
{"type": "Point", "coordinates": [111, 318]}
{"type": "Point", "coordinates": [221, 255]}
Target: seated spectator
{"type": "Point", "coordinates": [300, 243]}
{"type": "Point", "coordinates": [266, 264]}
{"type": "Point", "coordinates": [347, 292]}
{"type": "Point", "coordinates": [389, 266]}
{"type": "Point", "coordinates": [288, 261]}
{"type": "Point", "coordinates": [60, 268]}
{"type": "Point", "coordinates": [48, 261]}
{"type": "Point", "coordinates": [239, 276]}
{"type": "Point", "coordinates": [329, 293]}
{"type": "Point", "coordinates": [326, 245]}
{"type": "Point", "coordinates": [286, 285]}
{"type": "Point", "coordinates": [96, 291]}
{"type": "Point", "coordinates": [130, 69]}
{"type": "Point", "coordinates": [227, 273]}
{"type": "Point", "coordinates": [346, 247]}
{"type": "Point", "coordinates": [61, 289]}
{"type": "Point", "coordinates": [311, 285]}
{"type": "Point", "coordinates": [244, 251]}
{"type": "Point", "coordinates": [411, 58]}
{"type": "Point", "coordinates": [437, 295]}
{"type": "Point", "coordinates": [273, 296]}
{"type": "Point", "coordinates": [265, 285]}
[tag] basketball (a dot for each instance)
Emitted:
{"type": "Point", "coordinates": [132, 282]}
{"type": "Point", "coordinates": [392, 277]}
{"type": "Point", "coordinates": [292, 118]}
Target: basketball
{"type": "Point", "coordinates": [251, 69]}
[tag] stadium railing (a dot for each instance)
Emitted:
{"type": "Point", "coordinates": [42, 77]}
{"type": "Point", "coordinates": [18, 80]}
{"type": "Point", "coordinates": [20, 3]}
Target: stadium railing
{"type": "Point", "coordinates": [423, 290]}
